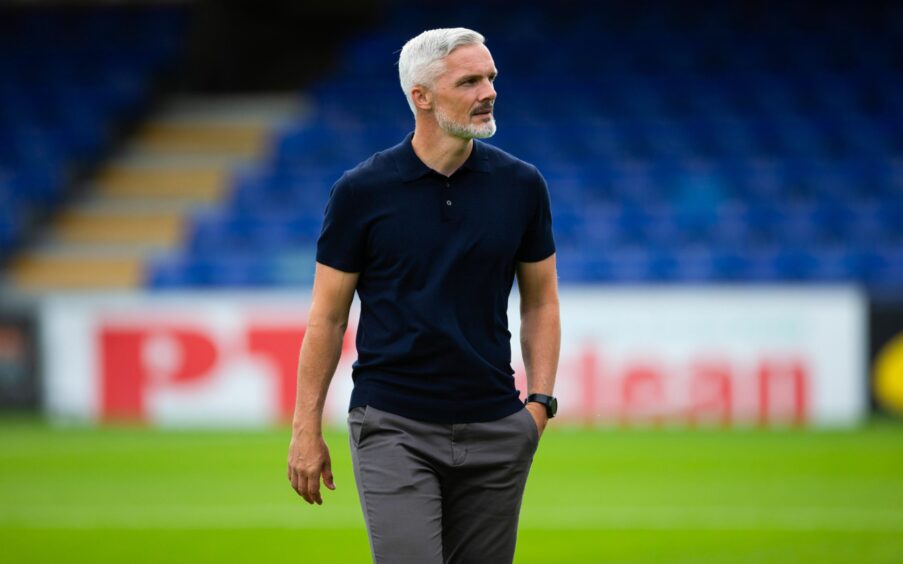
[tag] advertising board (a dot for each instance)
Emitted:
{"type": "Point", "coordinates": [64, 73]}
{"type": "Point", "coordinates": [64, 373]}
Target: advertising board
{"type": "Point", "coordinates": [645, 356]}
{"type": "Point", "coordinates": [18, 359]}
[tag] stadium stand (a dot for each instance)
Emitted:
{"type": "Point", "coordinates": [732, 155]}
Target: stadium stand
{"type": "Point", "coordinates": [178, 163]}
{"type": "Point", "coordinates": [708, 143]}
{"type": "Point", "coordinates": [68, 77]}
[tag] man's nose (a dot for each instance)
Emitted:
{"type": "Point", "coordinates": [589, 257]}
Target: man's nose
{"type": "Point", "coordinates": [488, 92]}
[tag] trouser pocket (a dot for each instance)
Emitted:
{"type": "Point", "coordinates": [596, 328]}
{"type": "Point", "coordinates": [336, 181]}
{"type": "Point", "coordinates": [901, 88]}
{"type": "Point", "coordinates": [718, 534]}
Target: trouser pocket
{"type": "Point", "coordinates": [533, 430]}
{"type": "Point", "coordinates": [357, 418]}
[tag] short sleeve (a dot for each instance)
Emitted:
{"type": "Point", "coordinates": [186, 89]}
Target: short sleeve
{"type": "Point", "coordinates": [537, 242]}
{"type": "Point", "coordinates": [341, 241]}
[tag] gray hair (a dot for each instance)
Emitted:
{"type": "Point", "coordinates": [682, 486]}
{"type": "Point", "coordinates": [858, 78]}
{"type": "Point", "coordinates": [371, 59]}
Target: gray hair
{"type": "Point", "coordinates": [421, 60]}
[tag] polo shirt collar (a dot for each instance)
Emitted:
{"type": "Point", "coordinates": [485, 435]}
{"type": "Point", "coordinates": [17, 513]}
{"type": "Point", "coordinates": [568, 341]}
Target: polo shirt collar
{"type": "Point", "coordinates": [411, 167]}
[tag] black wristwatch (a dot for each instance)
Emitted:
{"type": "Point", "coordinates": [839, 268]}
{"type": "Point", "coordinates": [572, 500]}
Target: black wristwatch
{"type": "Point", "coordinates": [550, 402]}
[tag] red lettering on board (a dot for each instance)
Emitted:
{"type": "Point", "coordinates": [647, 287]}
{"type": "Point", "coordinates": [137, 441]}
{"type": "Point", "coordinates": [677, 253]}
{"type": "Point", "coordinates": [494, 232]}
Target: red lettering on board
{"type": "Point", "coordinates": [134, 359]}
{"type": "Point", "coordinates": [710, 392]}
{"type": "Point", "coordinates": [783, 393]}
{"type": "Point", "coordinates": [642, 394]}
{"type": "Point", "coordinates": [588, 367]}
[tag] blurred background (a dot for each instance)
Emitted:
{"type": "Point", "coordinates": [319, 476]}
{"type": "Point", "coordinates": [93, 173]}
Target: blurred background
{"type": "Point", "coordinates": [727, 195]}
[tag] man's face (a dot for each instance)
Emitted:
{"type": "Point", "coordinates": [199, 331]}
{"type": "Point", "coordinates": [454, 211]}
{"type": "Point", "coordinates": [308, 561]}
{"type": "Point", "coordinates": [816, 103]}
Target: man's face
{"type": "Point", "coordinates": [464, 95]}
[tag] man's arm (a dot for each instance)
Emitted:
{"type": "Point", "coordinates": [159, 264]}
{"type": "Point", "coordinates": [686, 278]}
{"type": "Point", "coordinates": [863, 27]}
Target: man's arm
{"type": "Point", "coordinates": [540, 330]}
{"type": "Point", "coordinates": [308, 455]}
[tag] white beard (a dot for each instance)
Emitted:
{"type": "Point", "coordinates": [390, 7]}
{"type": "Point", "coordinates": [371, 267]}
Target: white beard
{"type": "Point", "coordinates": [465, 130]}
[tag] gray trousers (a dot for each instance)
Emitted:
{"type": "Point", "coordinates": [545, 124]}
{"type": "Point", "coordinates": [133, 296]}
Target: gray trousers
{"type": "Point", "coordinates": [441, 493]}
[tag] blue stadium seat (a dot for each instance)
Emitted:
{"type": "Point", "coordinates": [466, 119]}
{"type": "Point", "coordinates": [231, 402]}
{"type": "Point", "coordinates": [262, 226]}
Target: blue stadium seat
{"type": "Point", "coordinates": [66, 77]}
{"type": "Point", "coordinates": [679, 144]}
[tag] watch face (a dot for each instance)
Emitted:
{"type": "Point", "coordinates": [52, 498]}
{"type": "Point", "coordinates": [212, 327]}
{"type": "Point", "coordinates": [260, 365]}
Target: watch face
{"type": "Point", "coordinates": [553, 406]}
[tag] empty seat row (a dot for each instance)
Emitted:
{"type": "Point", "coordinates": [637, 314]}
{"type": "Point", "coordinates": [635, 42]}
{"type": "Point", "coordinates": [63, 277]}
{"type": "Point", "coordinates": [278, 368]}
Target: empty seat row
{"type": "Point", "coordinates": [67, 77]}
{"type": "Point", "coordinates": [703, 143]}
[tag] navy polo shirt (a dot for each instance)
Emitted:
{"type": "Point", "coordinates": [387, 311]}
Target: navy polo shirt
{"type": "Point", "coordinates": [436, 257]}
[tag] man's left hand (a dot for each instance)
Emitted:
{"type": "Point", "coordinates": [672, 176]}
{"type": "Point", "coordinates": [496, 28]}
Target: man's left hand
{"type": "Point", "coordinates": [540, 416]}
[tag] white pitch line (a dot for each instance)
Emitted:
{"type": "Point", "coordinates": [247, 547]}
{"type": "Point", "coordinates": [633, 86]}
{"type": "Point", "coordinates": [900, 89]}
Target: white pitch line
{"type": "Point", "coordinates": [250, 516]}
{"type": "Point", "coordinates": [790, 518]}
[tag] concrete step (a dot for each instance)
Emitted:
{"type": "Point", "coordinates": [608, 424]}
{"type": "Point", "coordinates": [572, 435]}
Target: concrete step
{"type": "Point", "coordinates": [144, 228]}
{"type": "Point", "coordinates": [266, 109]}
{"type": "Point", "coordinates": [137, 157]}
{"type": "Point", "coordinates": [53, 247]}
{"type": "Point", "coordinates": [245, 141]}
{"type": "Point", "coordinates": [76, 273]}
{"type": "Point", "coordinates": [99, 204]}
{"type": "Point", "coordinates": [189, 184]}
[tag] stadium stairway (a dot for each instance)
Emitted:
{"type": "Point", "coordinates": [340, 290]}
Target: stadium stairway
{"type": "Point", "coordinates": [137, 205]}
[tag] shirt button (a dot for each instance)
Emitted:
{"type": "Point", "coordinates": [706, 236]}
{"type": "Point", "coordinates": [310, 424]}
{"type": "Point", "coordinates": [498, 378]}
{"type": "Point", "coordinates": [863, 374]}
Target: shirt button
{"type": "Point", "coordinates": [447, 202]}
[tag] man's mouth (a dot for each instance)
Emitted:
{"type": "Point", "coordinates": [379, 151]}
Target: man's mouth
{"type": "Point", "coordinates": [483, 112]}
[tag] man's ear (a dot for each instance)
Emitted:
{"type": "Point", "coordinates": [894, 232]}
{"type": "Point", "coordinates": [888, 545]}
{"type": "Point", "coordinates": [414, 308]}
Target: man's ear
{"type": "Point", "coordinates": [422, 97]}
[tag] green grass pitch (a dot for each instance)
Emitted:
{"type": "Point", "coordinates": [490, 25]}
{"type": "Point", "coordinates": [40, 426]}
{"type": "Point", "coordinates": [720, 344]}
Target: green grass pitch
{"type": "Point", "coordinates": [138, 495]}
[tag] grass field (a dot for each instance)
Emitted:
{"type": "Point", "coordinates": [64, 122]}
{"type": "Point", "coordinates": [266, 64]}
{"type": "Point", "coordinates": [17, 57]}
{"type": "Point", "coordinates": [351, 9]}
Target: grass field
{"type": "Point", "coordinates": [134, 496]}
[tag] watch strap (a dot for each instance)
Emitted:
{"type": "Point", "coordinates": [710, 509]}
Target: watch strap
{"type": "Point", "coordinates": [549, 401]}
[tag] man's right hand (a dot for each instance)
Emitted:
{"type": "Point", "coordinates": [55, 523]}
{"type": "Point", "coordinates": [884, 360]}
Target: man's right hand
{"type": "Point", "coordinates": [308, 459]}
{"type": "Point", "coordinates": [321, 348]}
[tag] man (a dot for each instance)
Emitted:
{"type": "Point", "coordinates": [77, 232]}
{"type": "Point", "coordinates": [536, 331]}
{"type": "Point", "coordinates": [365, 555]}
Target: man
{"type": "Point", "coordinates": [431, 234]}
